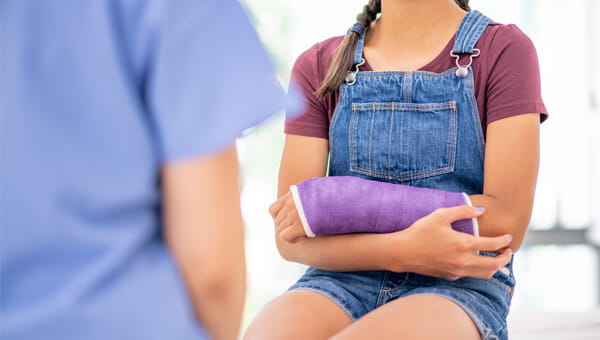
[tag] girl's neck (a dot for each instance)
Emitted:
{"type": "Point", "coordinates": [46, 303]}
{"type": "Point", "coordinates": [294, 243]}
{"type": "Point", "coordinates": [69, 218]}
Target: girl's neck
{"type": "Point", "coordinates": [416, 19]}
{"type": "Point", "coordinates": [411, 33]}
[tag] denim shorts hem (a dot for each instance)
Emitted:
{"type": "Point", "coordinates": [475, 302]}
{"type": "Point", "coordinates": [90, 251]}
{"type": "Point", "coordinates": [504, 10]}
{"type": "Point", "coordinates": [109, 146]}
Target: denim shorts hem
{"type": "Point", "coordinates": [485, 332]}
{"type": "Point", "coordinates": [333, 297]}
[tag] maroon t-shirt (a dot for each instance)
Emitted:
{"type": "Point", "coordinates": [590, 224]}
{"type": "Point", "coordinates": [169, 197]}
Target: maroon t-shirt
{"type": "Point", "coordinates": [507, 79]}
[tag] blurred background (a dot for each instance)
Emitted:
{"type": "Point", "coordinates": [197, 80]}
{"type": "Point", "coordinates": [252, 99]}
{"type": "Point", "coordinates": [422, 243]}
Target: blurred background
{"type": "Point", "coordinates": [559, 268]}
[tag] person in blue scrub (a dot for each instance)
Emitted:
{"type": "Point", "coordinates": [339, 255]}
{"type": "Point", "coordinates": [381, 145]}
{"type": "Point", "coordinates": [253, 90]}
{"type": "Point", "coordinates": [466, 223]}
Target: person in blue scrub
{"type": "Point", "coordinates": [119, 185]}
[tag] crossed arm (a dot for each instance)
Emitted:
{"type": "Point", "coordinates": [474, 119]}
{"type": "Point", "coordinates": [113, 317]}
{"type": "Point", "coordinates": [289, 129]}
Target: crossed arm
{"type": "Point", "coordinates": [429, 246]}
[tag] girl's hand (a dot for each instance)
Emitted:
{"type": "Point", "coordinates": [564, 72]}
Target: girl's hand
{"type": "Point", "coordinates": [288, 226]}
{"type": "Point", "coordinates": [431, 247]}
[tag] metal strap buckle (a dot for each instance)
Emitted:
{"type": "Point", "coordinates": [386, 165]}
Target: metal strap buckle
{"type": "Point", "coordinates": [463, 70]}
{"type": "Point", "coordinates": [351, 75]}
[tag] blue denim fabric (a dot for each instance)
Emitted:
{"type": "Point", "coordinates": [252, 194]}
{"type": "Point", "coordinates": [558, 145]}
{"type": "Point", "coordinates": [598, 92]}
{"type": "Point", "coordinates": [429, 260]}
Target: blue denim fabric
{"type": "Point", "coordinates": [357, 293]}
{"type": "Point", "coordinates": [421, 129]}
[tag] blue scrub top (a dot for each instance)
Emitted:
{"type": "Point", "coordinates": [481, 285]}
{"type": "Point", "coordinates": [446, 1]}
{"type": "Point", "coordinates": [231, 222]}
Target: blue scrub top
{"type": "Point", "coordinates": [95, 97]}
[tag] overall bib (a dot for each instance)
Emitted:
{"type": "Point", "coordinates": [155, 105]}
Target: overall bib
{"type": "Point", "coordinates": [420, 129]}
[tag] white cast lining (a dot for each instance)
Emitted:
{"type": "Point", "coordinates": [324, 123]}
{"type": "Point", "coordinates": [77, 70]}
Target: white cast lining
{"type": "Point", "coordinates": [298, 203]}
{"type": "Point", "coordinates": [474, 219]}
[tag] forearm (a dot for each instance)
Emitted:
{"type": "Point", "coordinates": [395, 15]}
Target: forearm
{"type": "Point", "coordinates": [347, 252]}
{"type": "Point", "coordinates": [219, 304]}
{"type": "Point", "coordinates": [348, 204]}
{"type": "Point", "coordinates": [217, 294]}
{"type": "Point", "coordinates": [204, 231]}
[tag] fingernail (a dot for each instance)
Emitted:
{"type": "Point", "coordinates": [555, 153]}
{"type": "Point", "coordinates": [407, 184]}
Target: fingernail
{"type": "Point", "coordinates": [510, 238]}
{"type": "Point", "coordinates": [480, 209]}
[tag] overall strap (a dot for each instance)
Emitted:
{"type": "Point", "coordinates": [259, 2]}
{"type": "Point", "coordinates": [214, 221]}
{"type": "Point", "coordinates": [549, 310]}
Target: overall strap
{"type": "Point", "coordinates": [358, 51]}
{"type": "Point", "coordinates": [357, 59]}
{"type": "Point", "coordinates": [469, 32]}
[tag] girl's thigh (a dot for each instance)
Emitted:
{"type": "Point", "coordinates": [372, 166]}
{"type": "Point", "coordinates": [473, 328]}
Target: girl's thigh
{"type": "Point", "coordinates": [421, 316]}
{"type": "Point", "coordinates": [298, 314]}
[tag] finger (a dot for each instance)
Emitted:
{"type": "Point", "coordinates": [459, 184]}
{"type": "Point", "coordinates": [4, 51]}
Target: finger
{"type": "Point", "coordinates": [276, 206]}
{"type": "Point", "coordinates": [487, 266]}
{"type": "Point", "coordinates": [285, 234]}
{"type": "Point", "coordinates": [490, 243]}
{"type": "Point", "coordinates": [281, 216]}
{"type": "Point", "coordinates": [291, 234]}
{"type": "Point", "coordinates": [290, 207]}
{"type": "Point", "coordinates": [285, 222]}
{"type": "Point", "coordinates": [504, 257]}
{"type": "Point", "coordinates": [501, 250]}
{"type": "Point", "coordinates": [285, 212]}
{"type": "Point", "coordinates": [461, 212]}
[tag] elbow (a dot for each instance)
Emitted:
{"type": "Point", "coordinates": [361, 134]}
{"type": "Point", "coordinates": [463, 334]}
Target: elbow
{"type": "Point", "coordinates": [218, 291]}
{"type": "Point", "coordinates": [222, 280]}
{"type": "Point", "coordinates": [516, 226]}
{"type": "Point", "coordinates": [221, 284]}
{"type": "Point", "coordinates": [213, 283]}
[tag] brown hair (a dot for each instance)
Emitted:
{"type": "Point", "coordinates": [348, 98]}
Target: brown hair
{"type": "Point", "coordinates": [342, 61]}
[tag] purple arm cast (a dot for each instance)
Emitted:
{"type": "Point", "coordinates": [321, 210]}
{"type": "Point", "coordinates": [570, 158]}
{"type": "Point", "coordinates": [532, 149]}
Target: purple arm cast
{"type": "Point", "coordinates": [348, 204]}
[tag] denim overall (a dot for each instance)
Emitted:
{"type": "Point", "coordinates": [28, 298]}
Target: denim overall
{"type": "Point", "coordinates": [421, 129]}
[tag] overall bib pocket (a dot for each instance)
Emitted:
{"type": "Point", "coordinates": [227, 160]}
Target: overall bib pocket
{"type": "Point", "coordinates": [402, 141]}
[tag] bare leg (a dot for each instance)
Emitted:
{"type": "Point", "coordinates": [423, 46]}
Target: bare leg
{"type": "Point", "coordinates": [422, 317]}
{"type": "Point", "coordinates": [298, 314]}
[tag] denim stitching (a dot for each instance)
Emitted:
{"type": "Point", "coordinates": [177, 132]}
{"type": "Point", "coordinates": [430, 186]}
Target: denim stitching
{"type": "Point", "coordinates": [476, 23]}
{"type": "Point", "coordinates": [475, 111]}
{"type": "Point", "coordinates": [389, 156]}
{"type": "Point", "coordinates": [391, 290]}
{"type": "Point", "coordinates": [403, 106]}
{"type": "Point", "coordinates": [466, 38]}
{"type": "Point", "coordinates": [352, 126]}
{"type": "Point", "coordinates": [382, 292]}
{"type": "Point", "coordinates": [371, 135]}
{"type": "Point", "coordinates": [393, 176]}
{"type": "Point", "coordinates": [481, 25]}
{"type": "Point", "coordinates": [358, 52]}
{"type": "Point", "coordinates": [487, 301]}
{"type": "Point", "coordinates": [460, 34]}
{"type": "Point", "coordinates": [453, 136]}
{"type": "Point", "coordinates": [502, 285]}
{"type": "Point", "coordinates": [335, 117]}
{"type": "Point", "coordinates": [426, 74]}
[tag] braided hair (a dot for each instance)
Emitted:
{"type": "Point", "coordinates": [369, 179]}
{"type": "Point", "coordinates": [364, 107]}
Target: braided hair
{"type": "Point", "coordinates": [463, 4]}
{"type": "Point", "coordinates": [342, 61]}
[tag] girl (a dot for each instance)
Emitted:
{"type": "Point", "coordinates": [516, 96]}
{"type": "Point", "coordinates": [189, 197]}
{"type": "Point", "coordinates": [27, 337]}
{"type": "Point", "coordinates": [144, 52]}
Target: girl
{"type": "Point", "coordinates": [407, 97]}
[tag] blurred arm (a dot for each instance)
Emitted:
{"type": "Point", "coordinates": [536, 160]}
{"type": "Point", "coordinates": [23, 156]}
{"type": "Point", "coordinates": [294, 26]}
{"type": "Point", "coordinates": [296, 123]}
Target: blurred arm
{"type": "Point", "coordinates": [204, 231]}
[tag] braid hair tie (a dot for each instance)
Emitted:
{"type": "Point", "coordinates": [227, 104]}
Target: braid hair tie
{"type": "Point", "coordinates": [358, 28]}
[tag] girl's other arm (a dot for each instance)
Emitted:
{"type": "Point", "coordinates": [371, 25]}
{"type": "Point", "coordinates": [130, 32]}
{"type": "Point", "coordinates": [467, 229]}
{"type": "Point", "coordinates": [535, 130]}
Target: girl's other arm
{"type": "Point", "coordinates": [204, 231]}
{"type": "Point", "coordinates": [510, 173]}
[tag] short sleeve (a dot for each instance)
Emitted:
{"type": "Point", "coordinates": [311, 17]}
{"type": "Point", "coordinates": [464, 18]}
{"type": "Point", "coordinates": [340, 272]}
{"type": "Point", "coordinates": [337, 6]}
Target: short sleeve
{"type": "Point", "coordinates": [513, 85]}
{"type": "Point", "coordinates": [209, 77]}
{"type": "Point", "coordinates": [313, 121]}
